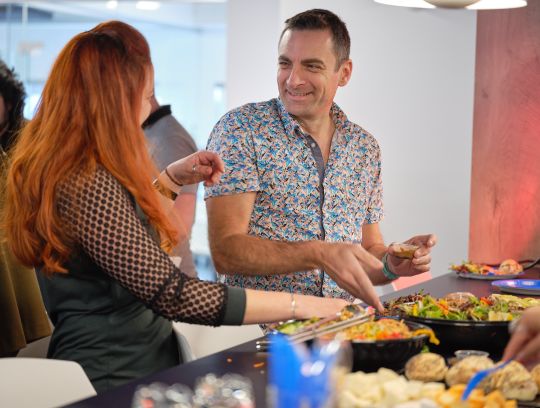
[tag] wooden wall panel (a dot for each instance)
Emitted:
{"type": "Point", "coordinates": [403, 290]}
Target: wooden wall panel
{"type": "Point", "coordinates": [505, 181]}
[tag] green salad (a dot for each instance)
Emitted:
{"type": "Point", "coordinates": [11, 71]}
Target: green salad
{"type": "Point", "coordinates": [463, 306]}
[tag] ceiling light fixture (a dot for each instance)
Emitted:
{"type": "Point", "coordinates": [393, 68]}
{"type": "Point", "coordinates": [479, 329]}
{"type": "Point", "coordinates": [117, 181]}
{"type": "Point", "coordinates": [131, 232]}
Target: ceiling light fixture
{"type": "Point", "coordinates": [497, 4]}
{"type": "Point", "coordinates": [111, 4]}
{"type": "Point", "coordinates": [451, 3]}
{"type": "Point", "coordinates": [148, 5]}
{"type": "Point", "coordinates": [407, 3]}
{"type": "Point", "coordinates": [468, 4]}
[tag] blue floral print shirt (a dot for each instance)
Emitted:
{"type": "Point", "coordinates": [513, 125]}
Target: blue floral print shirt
{"type": "Point", "coordinates": [266, 151]}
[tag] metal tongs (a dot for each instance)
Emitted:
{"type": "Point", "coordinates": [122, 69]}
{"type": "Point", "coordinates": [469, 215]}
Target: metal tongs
{"type": "Point", "coordinates": [531, 264]}
{"type": "Point", "coordinates": [325, 326]}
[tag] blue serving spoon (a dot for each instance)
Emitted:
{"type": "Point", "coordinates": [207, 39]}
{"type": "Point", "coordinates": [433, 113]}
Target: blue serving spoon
{"type": "Point", "coordinates": [479, 376]}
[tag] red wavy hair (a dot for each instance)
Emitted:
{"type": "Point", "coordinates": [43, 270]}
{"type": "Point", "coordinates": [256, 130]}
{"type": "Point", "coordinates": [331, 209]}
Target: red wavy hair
{"type": "Point", "coordinates": [88, 115]}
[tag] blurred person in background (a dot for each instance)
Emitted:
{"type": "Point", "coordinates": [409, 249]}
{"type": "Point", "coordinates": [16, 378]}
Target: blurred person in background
{"type": "Point", "coordinates": [82, 205]}
{"type": "Point", "coordinates": [22, 315]}
{"type": "Point", "coordinates": [168, 141]}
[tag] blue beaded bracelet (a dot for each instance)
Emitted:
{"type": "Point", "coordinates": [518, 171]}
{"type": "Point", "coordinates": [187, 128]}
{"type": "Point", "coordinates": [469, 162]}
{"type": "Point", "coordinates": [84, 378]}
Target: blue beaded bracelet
{"type": "Point", "coordinates": [386, 270]}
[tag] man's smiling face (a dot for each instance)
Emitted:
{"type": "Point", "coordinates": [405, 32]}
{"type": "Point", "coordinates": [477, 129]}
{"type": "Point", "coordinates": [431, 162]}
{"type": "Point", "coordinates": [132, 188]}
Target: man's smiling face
{"type": "Point", "coordinates": [308, 76]}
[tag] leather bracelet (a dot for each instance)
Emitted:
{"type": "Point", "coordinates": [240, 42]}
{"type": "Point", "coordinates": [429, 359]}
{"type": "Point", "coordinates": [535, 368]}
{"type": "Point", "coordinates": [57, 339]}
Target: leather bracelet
{"type": "Point", "coordinates": [386, 270]}
{"type": "Point", "coordinates": [293, 306]}
{"type": "Point", "coordinates": [172, 179]}
{"type": "Point", "coordinates": [164, 190]}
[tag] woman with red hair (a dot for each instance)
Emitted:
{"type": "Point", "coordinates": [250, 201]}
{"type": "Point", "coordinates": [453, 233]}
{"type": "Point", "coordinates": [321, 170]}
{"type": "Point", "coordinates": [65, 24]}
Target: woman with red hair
{"type": "Point", "coordinates": [82, 208]}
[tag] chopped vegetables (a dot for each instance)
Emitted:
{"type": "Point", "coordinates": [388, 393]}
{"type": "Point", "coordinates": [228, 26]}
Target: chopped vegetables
{"type": "Point", "coordinates": [507, 267]}
{"type": "Point", "coordinates": [466, 306]}
{"type": "Point", "coordinates": [295, 325]}
{"type": "Point", "coordinates": [385, 329]}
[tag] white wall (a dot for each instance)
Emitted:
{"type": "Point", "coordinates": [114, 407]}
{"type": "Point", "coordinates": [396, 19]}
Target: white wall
{"type": "Point", "coordinates": [412, 87]}
{"type": "Point", "coordinates": [252, 31]}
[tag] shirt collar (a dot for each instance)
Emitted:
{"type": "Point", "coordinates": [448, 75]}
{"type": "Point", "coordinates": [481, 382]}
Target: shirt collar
{"type": "Point", "coordinates": [342, 123]}
{"type": "Point", "coordinates": [157, 115]}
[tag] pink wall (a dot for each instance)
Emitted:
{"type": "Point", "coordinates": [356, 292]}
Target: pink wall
{"type": "Point", "coordinates": [505, 181]}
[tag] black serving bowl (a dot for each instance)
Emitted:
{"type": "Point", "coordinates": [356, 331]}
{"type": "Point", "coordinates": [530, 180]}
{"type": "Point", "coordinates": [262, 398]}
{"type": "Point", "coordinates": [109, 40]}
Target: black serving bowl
{"type": "Point", "coordinates": [369, 356]}
{"type": "Point", "coordinates": [466, 334]}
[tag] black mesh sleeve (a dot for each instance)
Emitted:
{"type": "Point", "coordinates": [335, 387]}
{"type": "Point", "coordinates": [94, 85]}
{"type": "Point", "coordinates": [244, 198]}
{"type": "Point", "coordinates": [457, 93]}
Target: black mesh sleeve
{"type": "Point", "coordinates": [103, 220]}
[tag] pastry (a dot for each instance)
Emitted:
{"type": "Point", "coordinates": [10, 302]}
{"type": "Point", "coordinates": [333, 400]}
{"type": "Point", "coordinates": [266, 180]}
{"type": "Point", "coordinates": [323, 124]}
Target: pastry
{"type": "Point", "coordinates": [463, 370]}
{"type": "Point", "coordinates": [426, 367]}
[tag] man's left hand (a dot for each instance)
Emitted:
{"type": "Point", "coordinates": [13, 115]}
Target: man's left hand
{"type": "Point", "coordinates": [421, 260]}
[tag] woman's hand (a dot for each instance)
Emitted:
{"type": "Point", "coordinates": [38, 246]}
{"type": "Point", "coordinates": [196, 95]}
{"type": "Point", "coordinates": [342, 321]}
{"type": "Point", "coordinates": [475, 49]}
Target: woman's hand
{"type": "Point", "coordinates": [200, 166]}
{"type": "Point", "coordinates": [524, 344]}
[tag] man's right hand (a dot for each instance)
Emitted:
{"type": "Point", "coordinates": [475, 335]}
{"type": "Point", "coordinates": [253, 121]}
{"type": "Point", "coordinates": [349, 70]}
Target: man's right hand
{"type": "Point", "coordinates": [349, 265]}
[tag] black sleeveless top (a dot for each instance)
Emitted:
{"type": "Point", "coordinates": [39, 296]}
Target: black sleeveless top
{"type": "Point", "coordinates": [110, 311]}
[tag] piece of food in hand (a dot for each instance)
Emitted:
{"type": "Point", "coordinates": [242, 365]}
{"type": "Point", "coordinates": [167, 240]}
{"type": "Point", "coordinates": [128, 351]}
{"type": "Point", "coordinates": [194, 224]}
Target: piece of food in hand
{"type": "Point", "coordinates": [509, 267]}
{"type": "Point", "coordinates": [404, 250]}
{"type": "Point", "coordinates": [463, 370]}
{"type": "Point", "coordinates": [514, 381]}
{"type": "Point", "coordinates": [426, 367]}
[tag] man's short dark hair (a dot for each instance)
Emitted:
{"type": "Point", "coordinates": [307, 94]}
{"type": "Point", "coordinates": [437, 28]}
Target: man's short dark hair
{"type": "Point", "coordinates": [12, 90]}
{"type": "Point", "coordinates": [320, 19]}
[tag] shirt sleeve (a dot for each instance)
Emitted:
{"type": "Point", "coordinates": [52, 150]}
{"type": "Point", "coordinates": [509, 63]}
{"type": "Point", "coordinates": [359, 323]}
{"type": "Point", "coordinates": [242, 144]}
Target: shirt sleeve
{"type": "Point", "coordinates": [375, 211]}
{"type": "Point", "coordinates": [232, 139]}
{"type": "Point", "coordinates": [102, 220]}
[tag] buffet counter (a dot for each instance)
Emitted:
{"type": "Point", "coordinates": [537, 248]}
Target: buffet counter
{"type": "Point", "coordinates": [245, 360]}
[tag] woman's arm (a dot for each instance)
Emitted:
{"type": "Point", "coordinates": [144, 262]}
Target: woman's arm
{"type": "Point", "coordinates": [102, 219]}
{"type": "Point", "coordinates": [267, 307]}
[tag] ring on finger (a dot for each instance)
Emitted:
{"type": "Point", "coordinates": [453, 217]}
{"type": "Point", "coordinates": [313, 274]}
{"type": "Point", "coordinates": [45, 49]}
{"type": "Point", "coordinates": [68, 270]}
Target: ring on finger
{"type": "Point", "coordinates": [194, 168]}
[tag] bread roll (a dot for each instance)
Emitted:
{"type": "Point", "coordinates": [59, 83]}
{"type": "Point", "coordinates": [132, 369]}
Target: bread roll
{"type": "Point", "coordinates": [463, 370]}
{"type": "Point", "coordinates": [426, 367]}
{"type": "Point", "coordinates": [514, 381]}
{"type": "Point", "coordinates": [535, 373]}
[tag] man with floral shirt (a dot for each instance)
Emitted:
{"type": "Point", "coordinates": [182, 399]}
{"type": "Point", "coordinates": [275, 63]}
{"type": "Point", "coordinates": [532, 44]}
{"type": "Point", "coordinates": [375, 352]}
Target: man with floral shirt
{"type": "Point", "coordinates": [301, 198]}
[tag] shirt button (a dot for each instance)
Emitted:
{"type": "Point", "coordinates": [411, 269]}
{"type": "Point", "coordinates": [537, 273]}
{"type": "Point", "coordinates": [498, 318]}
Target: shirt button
{"type": "Point", "coordinates": [313, 145]}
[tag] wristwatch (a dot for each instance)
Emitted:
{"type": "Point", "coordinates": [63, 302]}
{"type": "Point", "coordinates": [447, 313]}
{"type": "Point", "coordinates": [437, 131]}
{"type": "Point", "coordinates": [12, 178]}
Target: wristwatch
{"type": "Point", "coordinates": [164, 190]}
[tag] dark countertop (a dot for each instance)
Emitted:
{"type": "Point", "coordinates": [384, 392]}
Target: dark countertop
{"type": "Point", "coordinates": [243, 359]}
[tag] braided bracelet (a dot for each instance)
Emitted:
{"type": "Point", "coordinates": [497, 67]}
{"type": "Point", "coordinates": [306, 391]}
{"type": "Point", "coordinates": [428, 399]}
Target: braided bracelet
{"type": "Point", "coordinates": [386, 270]}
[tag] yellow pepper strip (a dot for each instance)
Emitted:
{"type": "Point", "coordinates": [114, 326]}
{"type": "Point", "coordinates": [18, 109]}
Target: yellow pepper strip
{"type": "Point", "coordinates": [432, 338]}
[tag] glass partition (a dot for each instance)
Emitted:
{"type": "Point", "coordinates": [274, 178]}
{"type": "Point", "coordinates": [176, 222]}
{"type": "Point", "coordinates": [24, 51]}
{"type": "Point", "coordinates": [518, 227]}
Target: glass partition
{"type": "Point", "coordinates": [187, 40]}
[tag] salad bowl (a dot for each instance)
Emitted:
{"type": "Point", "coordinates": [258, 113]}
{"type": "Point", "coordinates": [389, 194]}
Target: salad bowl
{"type": "Point", "coordinates": [461, 320]}
{"type": "Point", "coordinates": [369, 356]}
{"type": "Point", "coordinates": [455, 335]}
